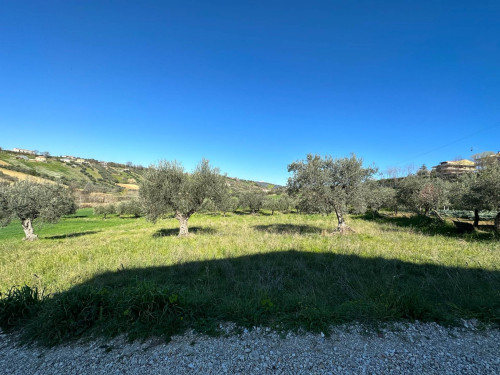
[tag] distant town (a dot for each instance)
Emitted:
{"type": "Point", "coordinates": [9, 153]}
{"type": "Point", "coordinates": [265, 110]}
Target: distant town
{"type": "Point", "coordinates": [42, 156]}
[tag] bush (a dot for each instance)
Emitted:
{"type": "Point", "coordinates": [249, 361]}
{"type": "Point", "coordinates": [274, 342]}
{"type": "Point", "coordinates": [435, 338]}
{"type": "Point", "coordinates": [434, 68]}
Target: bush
{"type": "Point", "coordinates": [132, 208]}
{"type": "Point", "coordinates": [253, 201]}
{"type": "Point", "coordinates": [108, 209]}
{"type": "Point", "coordinates": [19, 305]}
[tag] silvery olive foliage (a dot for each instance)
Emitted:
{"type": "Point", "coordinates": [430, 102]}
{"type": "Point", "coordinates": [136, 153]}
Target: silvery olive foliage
{"type": "Point", "coordinates": [131, 207]}
{"type": "Point", "coordinates": [167, 188]}
{"type": "Point", "coordinates": [422, 194]}
{"type": "Point", "coordinates": [228, 203]}
{"type": "Point", "coordinates": [328, 185]}
{"type": "Point", "coordinates": [28, 201]}
{"type": "Point", "coordinates": [252, 200]}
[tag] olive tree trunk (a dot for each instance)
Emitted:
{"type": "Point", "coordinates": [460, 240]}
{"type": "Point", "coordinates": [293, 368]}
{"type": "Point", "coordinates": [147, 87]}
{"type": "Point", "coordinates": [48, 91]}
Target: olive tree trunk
{"type": "Point", "coordinates": [183, 223]}
{"type": "Point", "coordinates": [476, 217]}
{"type": "Point", "coordinates": [497, 223]}
{"type": "Point", "coordinates": [342, 226]}
{"type": "Point", "coordinates": [28, 230]}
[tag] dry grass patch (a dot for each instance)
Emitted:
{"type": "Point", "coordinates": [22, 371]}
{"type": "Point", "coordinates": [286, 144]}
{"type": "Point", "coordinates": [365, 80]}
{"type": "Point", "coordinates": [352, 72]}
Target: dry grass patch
{"type": "Point", "coordinates": [24, 176]}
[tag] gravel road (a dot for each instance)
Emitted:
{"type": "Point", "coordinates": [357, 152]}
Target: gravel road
{"type": "Point", "coordinates": [415, 348]}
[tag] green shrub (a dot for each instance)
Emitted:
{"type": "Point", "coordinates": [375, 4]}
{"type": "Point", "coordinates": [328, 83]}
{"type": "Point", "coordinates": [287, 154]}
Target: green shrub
{"type": "Point", "coordinates": [104, 210]}
{"type": "Point", "coordinates": [130, 208]}
{"type": "Point", "coordinates": [19, 304]}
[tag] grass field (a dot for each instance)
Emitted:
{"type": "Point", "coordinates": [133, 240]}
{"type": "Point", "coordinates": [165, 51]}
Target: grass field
{"type": "Point", "coordinates": [104, 277]}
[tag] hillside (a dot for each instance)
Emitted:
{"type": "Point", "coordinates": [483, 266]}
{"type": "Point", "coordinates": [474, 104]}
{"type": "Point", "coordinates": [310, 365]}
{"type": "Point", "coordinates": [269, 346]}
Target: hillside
{"type": "Point", "coordinates": [75, 172]}
{"type": "Point", "coordinates": [93, 175]}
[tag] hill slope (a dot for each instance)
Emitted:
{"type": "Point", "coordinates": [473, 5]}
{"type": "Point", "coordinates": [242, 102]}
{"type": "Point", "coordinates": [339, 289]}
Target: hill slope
{"type": "Point", "coordinates": [90, 174]}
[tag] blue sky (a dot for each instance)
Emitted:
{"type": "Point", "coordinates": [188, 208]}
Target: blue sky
{"type": "Point", "coordinates": [252, 86]}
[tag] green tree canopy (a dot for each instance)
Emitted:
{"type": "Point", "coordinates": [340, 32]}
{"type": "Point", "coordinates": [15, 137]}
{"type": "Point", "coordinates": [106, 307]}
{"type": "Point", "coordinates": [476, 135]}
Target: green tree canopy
{"type": "Point", "coordinates": [328, 185]}
{"type": "Point", "coordinates": [422, 194]}
{"type": "Point", "coordinates": [253, 200]}
{"type": "Point", "coordinates": [28, 201]}
{"type": "Point", "coordinates": [166, 187]}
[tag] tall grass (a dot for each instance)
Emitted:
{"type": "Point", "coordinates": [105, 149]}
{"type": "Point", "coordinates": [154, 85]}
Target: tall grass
{"type": "Point", "coordinates": [286, 271]}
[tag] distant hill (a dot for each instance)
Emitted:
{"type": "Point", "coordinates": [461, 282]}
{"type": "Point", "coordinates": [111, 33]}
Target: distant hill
{"type": "Point", "coordinates": [91, 174]}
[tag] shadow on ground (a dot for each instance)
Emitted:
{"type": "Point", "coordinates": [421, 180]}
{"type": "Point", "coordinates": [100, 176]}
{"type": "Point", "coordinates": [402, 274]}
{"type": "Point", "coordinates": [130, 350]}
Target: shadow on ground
{"type": "Point", "coordinates": [431, 226]}
{"type": "Point", "coordinates": [71, 235]}
{"type": "Point", "coordinates": [287, 290]}
{"type": "Point", "coordinates": [175, 231]}
{"type": "Point", "coordinates": [288, 229]}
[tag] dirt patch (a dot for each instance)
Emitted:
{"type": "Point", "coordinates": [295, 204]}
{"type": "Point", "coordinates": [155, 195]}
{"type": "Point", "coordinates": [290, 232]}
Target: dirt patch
{"type": "Point", "coordinates": [129, 186]}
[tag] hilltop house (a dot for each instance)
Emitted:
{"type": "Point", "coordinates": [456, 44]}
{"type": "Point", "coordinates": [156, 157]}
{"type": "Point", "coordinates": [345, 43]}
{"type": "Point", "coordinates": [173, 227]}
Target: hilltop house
{"type": "Point", "coordinates": [41, 158]}
{"type": "Point", "coordinates": [454, 168]}
{"type": "Point", "coordinates": [23, 151]}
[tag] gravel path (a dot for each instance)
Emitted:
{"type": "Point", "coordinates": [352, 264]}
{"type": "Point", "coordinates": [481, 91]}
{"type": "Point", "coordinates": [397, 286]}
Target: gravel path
{"type": "Point", "coordinates": [351, 349]}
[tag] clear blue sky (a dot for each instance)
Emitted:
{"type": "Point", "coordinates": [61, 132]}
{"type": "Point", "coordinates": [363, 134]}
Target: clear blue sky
{"type": "Point", "coordinates": [252, 86]}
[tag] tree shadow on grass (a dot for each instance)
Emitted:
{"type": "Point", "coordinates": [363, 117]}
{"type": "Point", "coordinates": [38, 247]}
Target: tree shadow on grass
{"type": "Point", "coordinates": [166, 232]}
{"type": "Point", "coordinates": [431, 226]}
{"type": "Point", "coordinates": [288, 290]}
{"type": "Point", "coordinates": [288, 229]}
{"type": "Point", "coordinates": [71, 235]}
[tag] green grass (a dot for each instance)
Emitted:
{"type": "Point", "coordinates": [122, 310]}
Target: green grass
{"type": "Point", "coordinates": [105, 277]}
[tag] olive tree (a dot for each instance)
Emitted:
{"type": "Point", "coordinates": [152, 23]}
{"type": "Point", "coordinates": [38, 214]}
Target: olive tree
{"type": "Point", "coordinates": [271, 204]}
{"type": "Point", "coordinates": [29, 201]}
{"type": "Point", "coordinates": [422, 194]}
{"type": "Point", "coordinates": [329, 184]}
{"type": "Point", "coordinates": [228, 203]}
{"type": "Point", "coordinates": [281, 204]}
{"type": "Point", "coordinates": [131, 207]}
{"type": "Point", "coordinates": [253, 200]}
{"type": "Point", "coordinates": [466, 194]}
{"type": "Point", "coordinates": [284, 203]}
{"type": "Point", "coordinates": [166, 187]}
{"type": "Point", "coordinates": [378, 197]}
{"type": "Point", "coordinates": [105, 210]}
{"type": "Point", "coordinates": [483, 191]}
{"type": "Point", "coordinates": [489, 185]}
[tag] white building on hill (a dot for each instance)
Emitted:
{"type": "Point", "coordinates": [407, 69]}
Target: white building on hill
{"type": "Point", "coordinates": [23, 151]}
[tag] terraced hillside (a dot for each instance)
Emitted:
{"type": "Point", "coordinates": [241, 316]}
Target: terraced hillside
{"type": "Point", "coordinates": [104, 177]}
{"type": "Point", "coordinates": [95, 176]}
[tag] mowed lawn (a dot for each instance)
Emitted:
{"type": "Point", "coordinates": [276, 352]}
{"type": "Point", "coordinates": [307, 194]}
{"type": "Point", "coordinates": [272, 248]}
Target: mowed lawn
{"type": "Point", "coordinates": [107, 276]}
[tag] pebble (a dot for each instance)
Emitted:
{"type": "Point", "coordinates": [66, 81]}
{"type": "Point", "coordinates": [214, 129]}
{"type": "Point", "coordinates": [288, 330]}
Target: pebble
{"type": "Point", "coordinates": [400, 348]}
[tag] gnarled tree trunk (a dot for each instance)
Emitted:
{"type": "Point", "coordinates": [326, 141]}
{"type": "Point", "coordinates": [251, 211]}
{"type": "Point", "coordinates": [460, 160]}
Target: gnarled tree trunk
{"type": "Point", "coordinates": [183, 223]}
{"type": "Point", "coordinates": [497, 223]}
{"type": "Point", "coordinates": [28, 230]}
{"type": "Point", "coordinates": [342, 227]}
{"type": "Point", "coordinates": [476, 217]}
